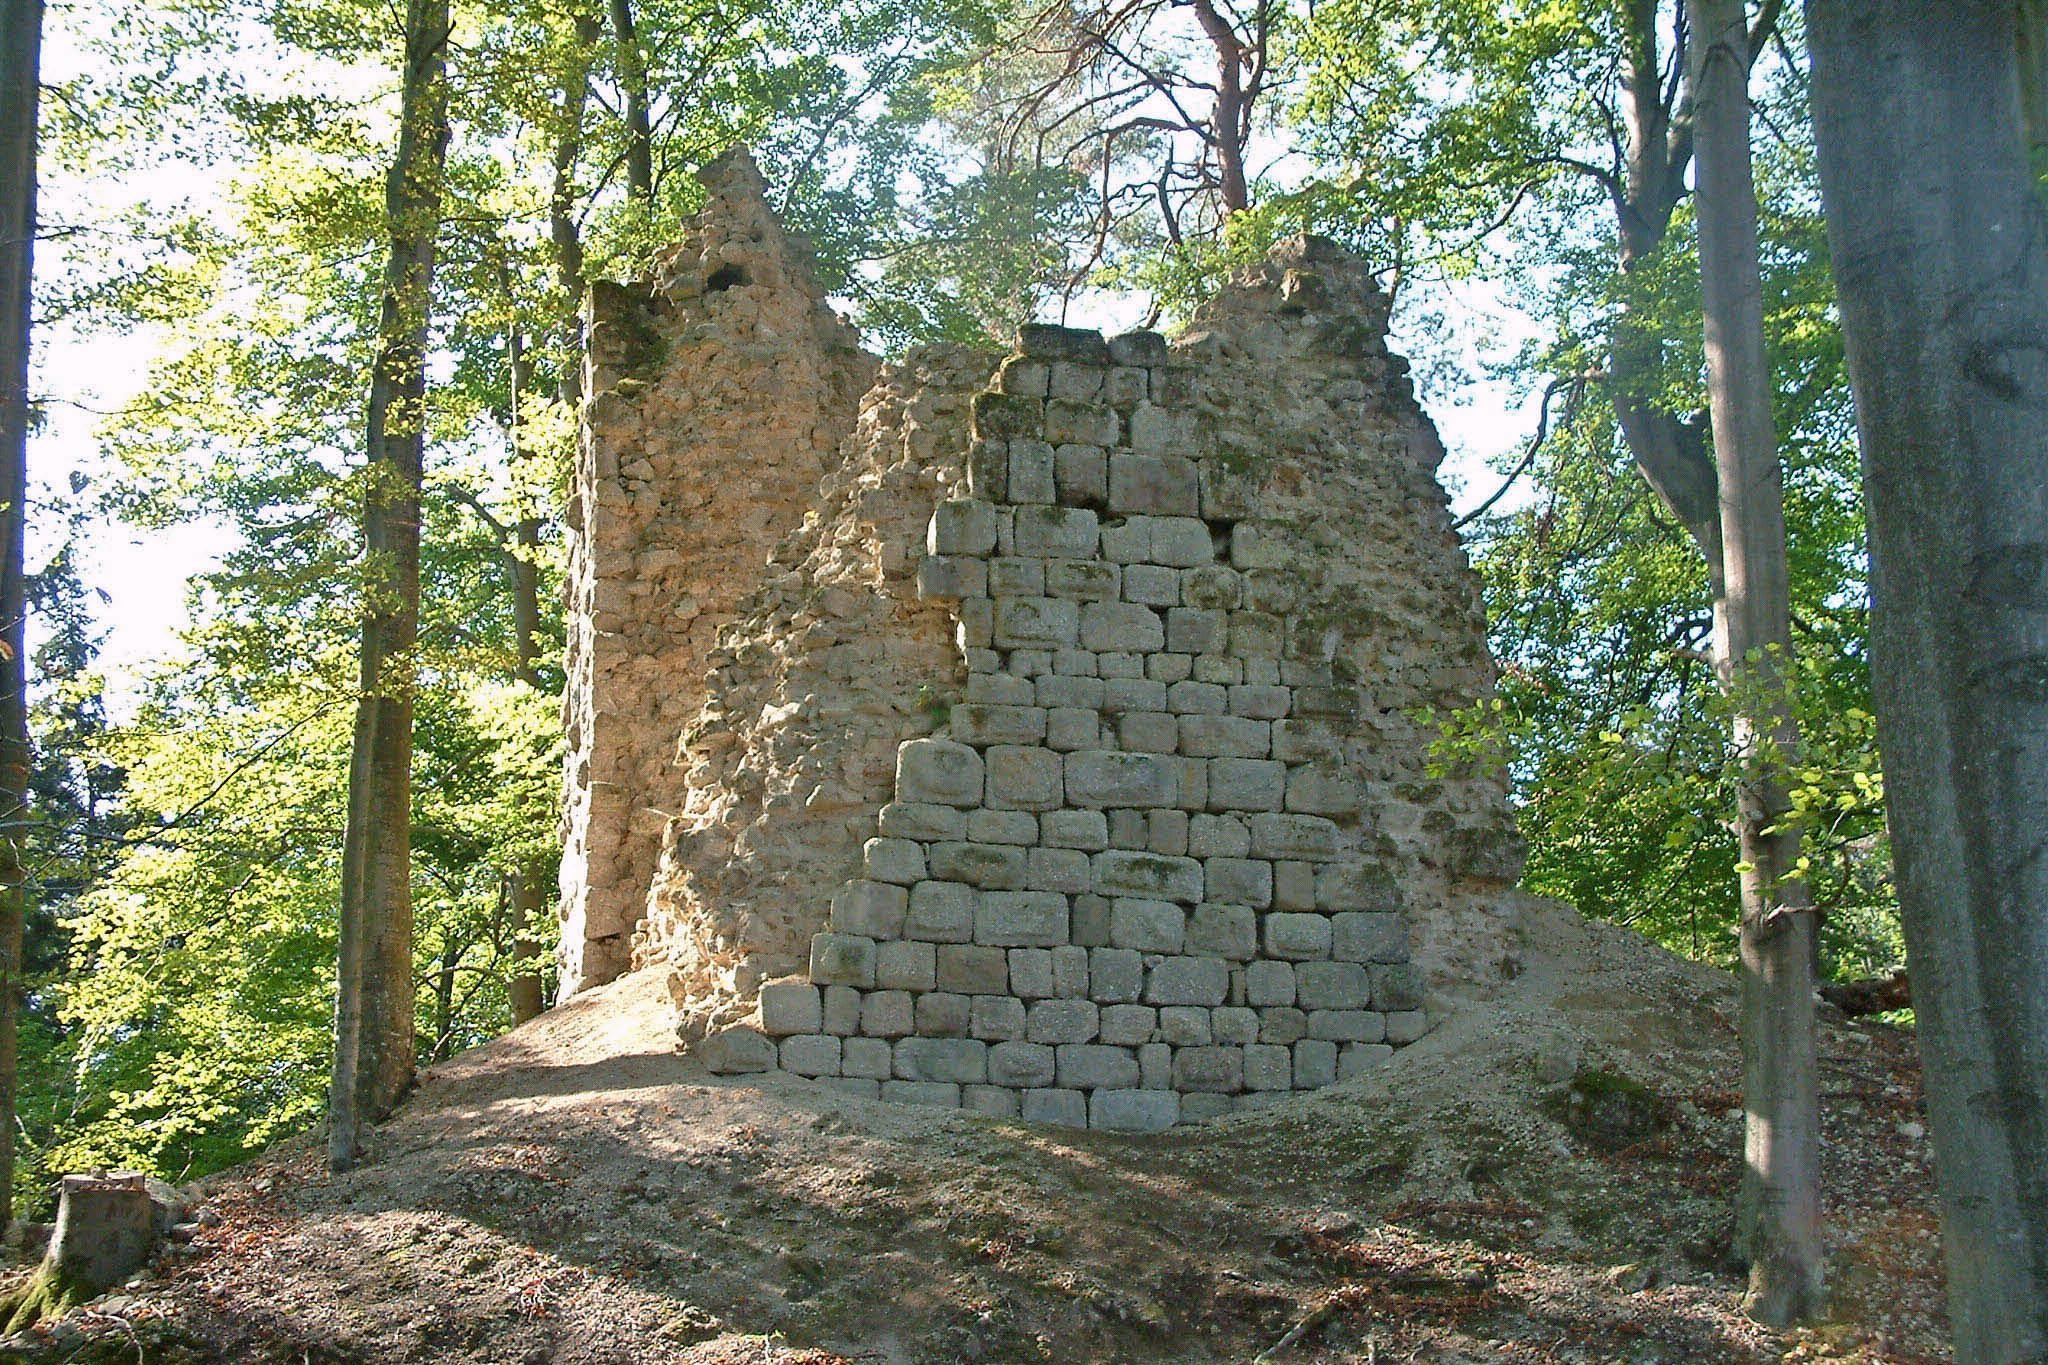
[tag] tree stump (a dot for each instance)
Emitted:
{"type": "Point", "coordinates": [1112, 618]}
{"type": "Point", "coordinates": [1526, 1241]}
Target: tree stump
{"type": "Point", "coordinates": [106, 1225]}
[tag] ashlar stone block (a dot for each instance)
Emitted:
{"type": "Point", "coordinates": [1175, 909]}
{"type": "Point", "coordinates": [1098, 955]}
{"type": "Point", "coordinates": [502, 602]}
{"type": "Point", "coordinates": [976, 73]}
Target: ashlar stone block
{"type": "Point", "coordinates": [995, 1018]}
{"type": "Point", "coordinates": [1309, 837]}
{"type": "Point", "coordinates": [1221, 737]}
{"type": "Point", "coordinates": [1087, 830]}
{"type": "Point", "coordinates": [1133, 1111]}
{"type": "Point", "coordinates": [1267, 982]}
{"type": "Point", "coordinates": [1368, 937]}
{"type": "Point", "coordinates": [1024, 778]}
{"type": "Point", "coordinates": [922, 820]}
{"type": "Point", "coordinates": [869, 908]}
{"type": "Point", "coordinates": [963, 526]}
{"type": "Point", "coordinates": [1023, 1065]}
{"type": "Point", "coordinates": [943, 1014]}
{"type": "Point", "coordinates": [1081, 475]}
{"type": "Point", "coordinates": [1126, 872]}
{"type": "Point", "coordinates": [1197, 630]}
{"type": "Point", "coordinates": [1114, 975]}
{"type": "Point", "coordinates": [1055, 532]}
{"type": "Point", "coordinates": [1030, 472]}
{"type": "Point", "coordinates": [1297, 937]}
{"type": "Point", "coordinates": [1147, 926]}
{"type": "Point", "coordinates": [1180, 542]}
{"type": "Point", "coordinates": [899, 861]}
{"type": "Point", "coordinates": [1103, 778]}
{"type": "Point", "coordinates": [843, 960]}
{"type": "Point", "coordinates": [1187, 981]}
{"type": "Point", "coordinates": [1332, 986]}
{"type": "Point", "coordinates": [1230, 932]}
{"type": "Point", "coordinates": [955, 1061]}
{"type": "Point", "coordinates": [812, 1054]}
{"type": "Point", "coordinates": [1120, 626]}
{"type": "Point", "coordinates": [1002, 827]}
{"type": "Point", "coordinates": [1246, 784]}
{"type": "Point", "coordinates": [1046, 622]}
{"type": "Point", "coordinates": [1083, 580]}
{"type": "Point", "coordinates": [1358, 886]}
{"type": "Point", "coordinates": [1091, 1066]}
{"type": "Point", "coordinates": [973, 969]}
{"type": "Point", "coordinates": [1153, 483]}
{"type": "Point", "coordinates": [1062, 1021]}
{"type": "Point", "coordinates": [1064, 1108]}
{"type": "Point", "coordinates": [952, 576]}
{"type": "Point", "coordinates": [1128, 1025]}
{"type": "Point", "coordinates": [1018, 919]}
{"type": "Point", "coordinates": [790, 1007]}
{"type": "Point", "coordinates": [867, 1058]}
{"type": "Point", "coordinates": [938, 772]}
{"type": "Point", "coordinates": [905, 966]}
{"type": "Point", "coordinates": [942, 912]}
{"type": "Point", "coordinates": [1216, 1070]}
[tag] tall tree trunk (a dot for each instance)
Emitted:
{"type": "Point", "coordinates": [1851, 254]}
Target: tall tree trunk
{"type": "Point", "coordinates": [1778, 1222]}
{"type": "Point", "coordinates": [374, 1049]}
{"type": "Point", "coordinates": [1940, 254]}
{"type": "Point", "coordinates": [562, 230]}
{"type": "Point", "coordinates": [21, 36]}
{"type": "Point", "coordinates": [527, 896]}
{"type": "Point", "coordinates": [632, 67]}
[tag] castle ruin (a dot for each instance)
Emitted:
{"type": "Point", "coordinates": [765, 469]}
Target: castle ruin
{"type": "Point", "coordinates": [1040, 734]}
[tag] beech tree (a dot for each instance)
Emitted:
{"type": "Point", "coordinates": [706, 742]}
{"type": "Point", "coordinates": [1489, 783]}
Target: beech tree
{"type": "Point", "coordinates": [373, 1054]}
{"type": "Point", "coordinates": [1941, 260]}
{"type": "Point", "coordinates": [21, 31]}
{"type": "Point", "coordinates": [1779, 1212]}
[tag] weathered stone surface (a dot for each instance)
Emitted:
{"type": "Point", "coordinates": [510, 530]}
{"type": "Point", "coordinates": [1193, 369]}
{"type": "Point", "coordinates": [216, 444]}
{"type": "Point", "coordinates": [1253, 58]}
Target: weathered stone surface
{"type": "Point", "coordinates": [1133, 1111]}
{"type": "Point", "coordinates": [1122, 872]}
{"type": "Point", "coordinates": [1297, 937]}
{"type": "Point", "coordinates": [958, 1061]}
{"type": "Point", "coordinates": [790, 1007]}
{"type": "Point", "coordinates": [1187, 981]}
{"type": "Point", "coordinates": [1021, 919]}
{"type": "Point", "coordinates": [939, 772]}
{"type": "Point", "coordinates": [843, 960]}
{"type": "Point", "coordinates": [1024, 777]}
{"type": "Point", "coordinates": [1103, 778]}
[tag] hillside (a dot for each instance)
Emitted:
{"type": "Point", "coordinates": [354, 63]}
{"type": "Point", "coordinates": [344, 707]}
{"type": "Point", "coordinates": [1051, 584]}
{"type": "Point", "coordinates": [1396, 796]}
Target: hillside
{"type": "Point", "coordinates": [578, 1192]}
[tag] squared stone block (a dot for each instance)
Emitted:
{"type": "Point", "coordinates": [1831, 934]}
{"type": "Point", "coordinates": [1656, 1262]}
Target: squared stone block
{"type": "Point", "coordinates": [888, 1014]}
{"type": "Point", "coordinates": [1133, 1111]}
{"type": "Point", "coordinates": [1030, 474]}
{"type": "Point", "coordinates": [942, 912]}
{"type": "Point", "coordinates": [998, 725]}
{"type": "Point", "coordinates": [1212, 587]}
{"type": "Point", "coordinates": [1087, 424]}
{"type": "Point", "coordinates": [992, 1101]}
{"type": "Point", "coordinates": [1153, 484]}
{"type": "Point", "coordinates": [897, 861]}
{"type": "Point", "coordinates": [1090, 1066]}
{"type": "Point", "coordinates": [1195, 630]}
{"type": "Point", "coordinates": [1128, 1025]}
{"type": "Point", "coordinates": [1267, 982]}
{"type": "Point", "coordinates": [1081, 475]}
{"type": "Point", "coordinates": [1332, 986]}
{"type": "Point", "coordinates": [952, 577]}
{"type": "Point", "coordinates": [1259, 545]}
{"type": "Point", "coordinates": [1214, 1070]}
{"type": "Point", "coordinates": [1297, 937]}
{"type": "Point", "coordinates": [1049, 342]}
{"type": "Point", "coordinates": [1308, 837]}
{"type": "Point", "coordinates": [1357, 936]}
{"type": "Point", "coordinates": [1145, 348]}
{"type": "Point", "coordinates": [1024, 378]}
{"type": "Point", "coordinates": [1125, 872]}
{"type": "Point", "coordinates": [1055, 532]}
{"type": "Point", "coordinates": [1167, 667]}
{"type": "Point", "coordinates": [973, 969]}
{"type": "Point", "coordinates": [1197, 698]}
{"type": "Point", "coordinates": [988, 470]}
{"type": "Point", "coordinates": [1115, 975]}
{"type": "Point", "coordinates": [1104, 778]}
{"type": "Point", "coordinates": [1256, 634]}
{"type": "Point", "coordinates": [1024, 622]}
{"type": "Point", "coordinates": [962, 526]}
{"type": "Point", "coordinates": [1089, 921]}
{"type": "Point", "coordinates": [1024, 777]}
{"type": "Point", "coordinates": [1124, 626]}
{"type": "Point", "coordinates": [1235, 1024]}
{"type": "Point", "coordinates": [1078, 663]}
{"type": "Point", "coordinates": [1125, 386]}
{"type": "Point", "coordinates": [810, 1054]}
{"type": "Point", "coordinates": [1246, 784]}
{"type": "Point", "coordinates": [1181, 542]}
{"type": "Point", "coordinates": [1187, 981]}
{"type": "Point", "coordinates": [999, 867]}
{"type": "Point", "coordinates": [1315, 1063]}
{"type": "Point", "coordinates": [922, 820]}
{"type": "Point", "coordinates": [1062, 1021]}
{"type": "Point", "coordinates": [1070, 972]}
{"type": "Point", "coordinates": [1128, 541]}
{"type": "Point", "coordinates": [998, 416]}
{"type": "Point", "coordinates": [942, 1014]}
{"type": "Point", "coordinates": [1282, 1024]}
{"type": "Point", "coordinates": [1069, 692]}
{"type": "Point", "coordinates": [1230, 932]}
{"type": "Point", "coordinates": [1065, 870]}
{"type": "Point", "coordinates": [1221, 737]}
{"type": "Point", "coordinates": [1147, 732]}
{"type": "Point", "coordinates": [871, 909]}
{"type": "Point", "coordinates": [1347, 1026]}
{"type": "Point", "coordinates": [1218, 836]}
{"type": "Point", "coordinates": [1166, 831]}
{"type": "Point", "coordinates": [1129, 829]}
{"type": "Point", "coordinates": [1023, 1065]}
{"type": "Point", "coordinates": [1405, 1026]}
{"type": "Point", "coordinates": [935, 1094]}
{"type": "Point", "coordinates": [1017, 919]}
{"type": "Point", "coordinates": [1031, 973]}
{"type": "Point", "coordinates": [1066, 1108]}
{"type": "Point", "coordinates": [1184, 1026]}
{"type": "Point", "coordinates": [1294, 885]}
{"type": "Point", "coordinates": [1018, 827]}
{"type": "Point", "coordinates": [1258, 701]}
{"type": "Point", "coordinates": [1083, 580]}
{"type": "Point", "coordinates": [939, 772]}
{"type": "Point", "coordinates": [1219, 669]}
{"type": "Point", "coordinates": [1155, 1066]}
{"type": "Point", "coordinates": [956, 1061]}
{"type": "Point", "coordinates": [842, 1007]}
{"type": "Point", "coordinates": [1153, 585]}
{"type": "Point", "coordinates": [1087, 830]}
{"type": "Point", "coordinates": [1239, 881]}
{"type": "Point", "coordinates": [1012, 577]}
{"type": "Point", "coordinates": [843, 960]}
{"type": "Point", "coordinates": [995, 1018]}
{"type": "Point", "coordinates": [1132, 694]}
{"type": "Point", "coordinates": [867, 1058]}
{"type": "Point", "coordinates": [1071, 728]}
{"type": "Point", "coordinates": [903, 966]}
{"type": "Point", "coordinates": [790, 1007]}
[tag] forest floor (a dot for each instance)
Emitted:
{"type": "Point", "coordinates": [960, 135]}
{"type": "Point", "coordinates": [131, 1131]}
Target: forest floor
{"type": "Point", "coordinates": [578, 1192]}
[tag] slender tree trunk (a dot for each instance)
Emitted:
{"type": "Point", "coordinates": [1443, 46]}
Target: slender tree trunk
{"type": "Point", "coordinates": [1228, 124]}
{"type": "Point", "coordinates": [562, 230]}
{"type": "Point", "coordinates": [374, 1049]}
{"type": "Point", "coordinates": [21, 31]}
{"type": "Point", "coordinates": [1778, 1219]}
{"type": "Point", "coordinates": [632, 66]}
{"type": "Point", "coordinates": [528, 891]}
{"type": "Point", "coordinates": [444, 1002]}
{"type": "Point", "coordinates": [1940, 254]}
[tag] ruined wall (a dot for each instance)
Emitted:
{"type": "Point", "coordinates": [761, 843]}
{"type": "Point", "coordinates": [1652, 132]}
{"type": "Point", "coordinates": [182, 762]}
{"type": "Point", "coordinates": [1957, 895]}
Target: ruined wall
{"type": "Point", "coordinates": [1172, 844]}
{"type": "Point", "coordinates": [719, 394]}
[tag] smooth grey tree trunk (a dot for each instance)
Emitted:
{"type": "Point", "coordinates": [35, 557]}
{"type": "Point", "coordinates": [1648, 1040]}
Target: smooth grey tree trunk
{"type": "Point", "coordinates": [632, 72]}
{"type": "Point", "coordinates": [1941, 264]}
{"type": "Point", "coordinates": [1778, 1215]}
{"type": "Point", "coordinates": [374, 1048]}
{"type": "Point", "coordinates": [21, 32]}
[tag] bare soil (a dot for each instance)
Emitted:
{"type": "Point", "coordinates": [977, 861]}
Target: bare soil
{"type": "Point", "coordinates": [579, 1192]}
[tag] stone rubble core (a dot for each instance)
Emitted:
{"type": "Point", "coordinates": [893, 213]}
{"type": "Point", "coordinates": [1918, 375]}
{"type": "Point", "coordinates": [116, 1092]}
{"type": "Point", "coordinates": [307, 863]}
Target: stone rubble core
{"type": "Point", "coordinates": [1066, 761]}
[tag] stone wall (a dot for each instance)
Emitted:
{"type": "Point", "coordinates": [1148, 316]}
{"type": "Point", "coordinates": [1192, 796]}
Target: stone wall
{"type": "Point", "coordinates": [1061, 757]}
{"type": "Point", "coordinates": [719, 394]}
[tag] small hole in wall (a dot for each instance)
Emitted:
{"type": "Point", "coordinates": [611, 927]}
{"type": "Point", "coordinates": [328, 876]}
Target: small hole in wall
{"type": "Point", "coordinates": [1219, 536]}
{"type": "Point", "coordinates": [726, 277]}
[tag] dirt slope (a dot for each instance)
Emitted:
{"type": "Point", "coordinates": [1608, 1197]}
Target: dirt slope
{"type": "Point", "coordinates": [576, 1192]}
